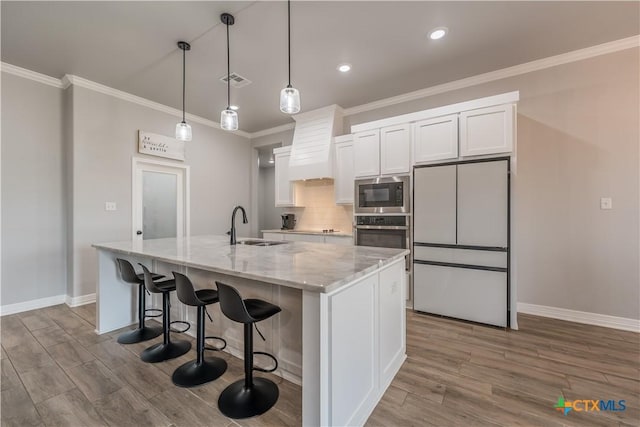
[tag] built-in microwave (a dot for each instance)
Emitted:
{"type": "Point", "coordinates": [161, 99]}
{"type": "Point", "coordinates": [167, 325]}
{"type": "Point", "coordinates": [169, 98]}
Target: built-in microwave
{"type": "Point", "coordinates": [382, 195]}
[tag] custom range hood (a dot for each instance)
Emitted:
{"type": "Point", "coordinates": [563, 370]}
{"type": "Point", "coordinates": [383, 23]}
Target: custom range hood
{"type": "Point", "coordinates": [312, 148]}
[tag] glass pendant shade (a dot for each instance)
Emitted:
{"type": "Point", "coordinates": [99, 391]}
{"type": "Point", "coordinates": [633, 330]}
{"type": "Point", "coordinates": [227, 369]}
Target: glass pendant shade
{"type": "Point", "coordinates": [183, 131]}
{"type": "Point", "coordinates": [229, 119]}
{"type": "Point", "coordinates": [290, 100]}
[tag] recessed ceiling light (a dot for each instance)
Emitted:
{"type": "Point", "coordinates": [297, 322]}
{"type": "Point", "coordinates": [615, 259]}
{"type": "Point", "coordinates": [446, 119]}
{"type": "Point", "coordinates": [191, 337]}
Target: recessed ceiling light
{"type": "Point", "coordinates": [234, 107]}
{"type": "Point", "coordinates": [438, 33]}
{"type": "Point", "coordinates": [343, 68]}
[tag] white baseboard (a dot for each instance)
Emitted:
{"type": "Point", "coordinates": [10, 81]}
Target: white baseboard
{"type": "Point", "coordinates": [81, 300]}
{"type": "Point", "coordinates": [34, 304]}
{"type": "Point", "coordinates": [596, 319]}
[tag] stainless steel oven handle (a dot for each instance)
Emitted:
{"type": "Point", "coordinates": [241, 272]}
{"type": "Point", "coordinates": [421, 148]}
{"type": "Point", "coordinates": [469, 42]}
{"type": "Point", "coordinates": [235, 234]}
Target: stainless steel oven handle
{"type": "Point", "coordinates": [381, 227]}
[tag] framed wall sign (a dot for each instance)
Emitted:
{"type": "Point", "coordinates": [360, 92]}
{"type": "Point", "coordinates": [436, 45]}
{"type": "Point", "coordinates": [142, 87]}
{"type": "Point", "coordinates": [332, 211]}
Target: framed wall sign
{"type": "Point", "coordinates": [160, 145]}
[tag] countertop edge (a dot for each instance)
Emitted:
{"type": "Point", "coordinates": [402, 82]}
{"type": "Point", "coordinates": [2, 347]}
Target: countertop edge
{"type": "Point", "coordinates": [310, 233]}
{"type": "Point", "coordinates": [323, 289]}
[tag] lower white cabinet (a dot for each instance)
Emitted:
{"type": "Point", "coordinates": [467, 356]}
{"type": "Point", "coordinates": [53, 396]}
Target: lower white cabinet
{"type": "Point", "coordinates": [435, 139]}
{"type": "Point", "coordinates": [343, 171]}
{"type": "Point", "coordinates": [487, 130]}
{"type": "Point", "coordinates": [314, 238]}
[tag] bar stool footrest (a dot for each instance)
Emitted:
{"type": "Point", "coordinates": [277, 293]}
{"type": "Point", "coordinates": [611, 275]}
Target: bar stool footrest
{"type": "Point", "coordinates": [155, 312]}
{"type": "Point", "coordinates": [271, 356]}
{"type": "Point", "coordinates": [178, 331]}
{"type": "Point", "coordinates": [224, 343]}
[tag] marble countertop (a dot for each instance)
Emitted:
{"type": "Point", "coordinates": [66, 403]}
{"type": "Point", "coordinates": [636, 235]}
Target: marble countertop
{"type": "Point", "coordinates": [311, 232]}
{"type": "Point", "coordinates": [317, 267]}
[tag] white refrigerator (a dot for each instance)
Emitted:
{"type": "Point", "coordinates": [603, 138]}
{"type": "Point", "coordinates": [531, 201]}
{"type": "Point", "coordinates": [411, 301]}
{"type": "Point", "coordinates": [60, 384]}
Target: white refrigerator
{"type": "Point", "coordinates": [461, 240]}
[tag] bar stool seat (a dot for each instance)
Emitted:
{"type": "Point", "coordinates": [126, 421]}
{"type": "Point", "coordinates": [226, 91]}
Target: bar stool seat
{"type": "Point", "coordinates": [203, 369]}
{"type": "Point", "coordinates": [142, 332]}
{"type": "Point", "coordinates": [250, 396]}
{"type": "Point", "coordinates": [167, 349]}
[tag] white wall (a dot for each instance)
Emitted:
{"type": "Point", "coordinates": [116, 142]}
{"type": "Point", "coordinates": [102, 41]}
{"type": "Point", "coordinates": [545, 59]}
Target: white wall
{"type": "Point", "coordinates": [104, 140]}
{"type": "Point", "coordinates": [33, 191]}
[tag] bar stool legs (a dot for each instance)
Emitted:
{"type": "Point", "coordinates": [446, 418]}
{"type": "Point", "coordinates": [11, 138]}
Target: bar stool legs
{"type": "Point", "coordinates": [143, 333]}
{"type": "Point", "coordinates": [167, 349]}
{"type": "Point", "coordinates": [203, 369]}
{"type": "Point", "coordinates": [250, 396]}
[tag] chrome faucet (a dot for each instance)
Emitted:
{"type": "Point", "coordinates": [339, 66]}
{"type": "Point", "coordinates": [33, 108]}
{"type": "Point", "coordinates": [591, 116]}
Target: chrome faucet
{"type": "Point", "coordinates": [232, 232]}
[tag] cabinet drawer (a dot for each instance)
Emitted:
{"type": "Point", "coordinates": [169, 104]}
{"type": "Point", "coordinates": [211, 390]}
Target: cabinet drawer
{"type": "Point", "coordinates": [461, 256]}
{"type": "Point", "coordinates": [476, 295]}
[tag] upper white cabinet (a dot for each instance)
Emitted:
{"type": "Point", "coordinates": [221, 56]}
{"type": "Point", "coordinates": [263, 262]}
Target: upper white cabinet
{"type": "Point", "coordinates": [366, 151]}
{"type": "Point", "coordinates": [487, 130]}
{"type": "Point", "coordinates": [395, 150]}
{"type": "Point", "coordinates": [435, 139]}
{"type": "Point", "coordinates": [343, 171]}
{"type": "Point", "coordinates": [285, 189]}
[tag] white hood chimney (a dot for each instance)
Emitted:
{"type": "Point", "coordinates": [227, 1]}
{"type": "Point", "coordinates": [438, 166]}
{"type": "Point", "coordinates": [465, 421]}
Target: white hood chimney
{"type": "Point", "coordinates": [312, 148]}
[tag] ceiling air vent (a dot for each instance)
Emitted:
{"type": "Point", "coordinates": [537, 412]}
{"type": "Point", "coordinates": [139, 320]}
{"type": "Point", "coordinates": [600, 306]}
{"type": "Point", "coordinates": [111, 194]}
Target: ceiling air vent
{"type": "Point", "coordinates": [237, 80]}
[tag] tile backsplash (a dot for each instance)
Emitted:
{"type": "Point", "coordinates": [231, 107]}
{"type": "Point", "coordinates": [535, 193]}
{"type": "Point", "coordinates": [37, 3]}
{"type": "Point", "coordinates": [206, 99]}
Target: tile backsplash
{"type": "Point", "coordinates": [320, 210]}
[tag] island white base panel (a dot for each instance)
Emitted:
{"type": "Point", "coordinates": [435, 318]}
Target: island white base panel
{"type": "Point", "coordinates": [344, 347]}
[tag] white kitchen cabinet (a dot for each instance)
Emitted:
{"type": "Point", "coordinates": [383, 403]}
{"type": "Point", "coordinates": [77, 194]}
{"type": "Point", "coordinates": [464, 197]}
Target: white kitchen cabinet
{"type": "Point", "coordinates": [285, 189]}
{"type": "Point", "coordinates": [295, 237]}
{"type": "Point", "coordinates": [343, 172]}
{"type": "Point", "coordinates": [273, 236]}
{"type": "Point", "coordinates": [435, 139]}
{"type": "Point", "coordinates": [395, 150]}
{"type": "Point", "coordinates": [339, 240]}
{"type": "Point", "coordinates": [366, 151]}
{"type": "Point", "coordinates": [487, 130]}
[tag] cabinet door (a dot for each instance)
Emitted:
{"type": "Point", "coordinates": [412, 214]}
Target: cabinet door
{"type": "Point", "coordinates": [285, 194]}
{"type": "Point", "coordinates": [395, 150]}
{"type": "Point", "coordinates": [366, 151]}
{"type": "Point", "coordinates": [435, 139]}
{"type": "Point", "coordinates": [487, 131]}
{"type": "Point", "coordinates": [343, 174]}
{"type": "Point", "coordinates": [434, 204]}
{"type": "Point", "coordinates": [483, 203]}
{"type": "Point", "coordinates": [339, 240]}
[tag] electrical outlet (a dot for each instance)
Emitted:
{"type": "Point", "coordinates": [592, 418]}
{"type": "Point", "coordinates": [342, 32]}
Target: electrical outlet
{"type": "Point", "coordinates": [606, 203]}
{"type": "Point", "coordinates": [110, 206]}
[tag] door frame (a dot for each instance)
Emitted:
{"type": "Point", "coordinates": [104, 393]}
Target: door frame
{"type": "Point", "coordinates": [180, 170]}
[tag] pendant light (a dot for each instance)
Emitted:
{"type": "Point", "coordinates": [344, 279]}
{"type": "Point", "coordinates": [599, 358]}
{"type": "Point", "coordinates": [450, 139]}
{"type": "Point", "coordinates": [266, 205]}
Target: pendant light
{"type": "Point", "coordinates": [289, 96]}
{"type": "Point", "coordinates": [228, 117]}
{"type": "Point", "coordinates": [183, 130]}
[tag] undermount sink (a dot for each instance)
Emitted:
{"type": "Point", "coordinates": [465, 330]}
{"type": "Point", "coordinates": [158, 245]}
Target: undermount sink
{"type": "Point", "coordinates": [262, 242]}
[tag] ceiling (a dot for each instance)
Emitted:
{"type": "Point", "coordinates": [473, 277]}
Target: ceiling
{"type": "Point", "coordinates": [131, 46]}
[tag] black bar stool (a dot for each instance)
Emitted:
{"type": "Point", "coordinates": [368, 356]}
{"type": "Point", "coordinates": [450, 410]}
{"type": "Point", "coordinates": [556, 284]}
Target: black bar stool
{"type": "Point", "coordinates": [202, 369]}
{"type": "Point", "coordinates": [143, 332]}
{"type": "Point", "coordinates": [167, 349]}
{"type": "Point", "coordinates": [251, 396]}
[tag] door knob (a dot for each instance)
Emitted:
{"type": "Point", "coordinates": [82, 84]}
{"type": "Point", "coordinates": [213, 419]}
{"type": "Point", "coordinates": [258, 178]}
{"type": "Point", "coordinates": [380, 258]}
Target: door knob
{"type": "Point", "coordinates": [138, 232]}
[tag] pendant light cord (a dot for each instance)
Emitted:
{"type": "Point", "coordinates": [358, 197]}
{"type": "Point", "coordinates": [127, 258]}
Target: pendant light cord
{"type": "Point", "coordinates": [228, 71]}
{"type": "Point", "coordinates": [184, 58]}
{"type": "Point", "coordinates": [289, 36]}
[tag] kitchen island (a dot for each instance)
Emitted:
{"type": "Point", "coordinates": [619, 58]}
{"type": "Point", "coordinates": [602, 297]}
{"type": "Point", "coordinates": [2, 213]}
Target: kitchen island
{"type": "Point", "coordinates": [341, 332]}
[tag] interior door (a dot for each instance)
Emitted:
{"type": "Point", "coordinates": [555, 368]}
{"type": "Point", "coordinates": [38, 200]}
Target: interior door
{"type": "Point", "coordinates": [483, 203]}
{"type": "Point", "coordinates": [160, 202]}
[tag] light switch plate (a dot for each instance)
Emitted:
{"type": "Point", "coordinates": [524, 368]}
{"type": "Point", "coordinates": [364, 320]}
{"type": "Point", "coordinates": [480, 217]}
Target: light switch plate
{"type": "Point", "coordinates": [606, 203]}
{"type": "Point", "coordinates": [110, 206]}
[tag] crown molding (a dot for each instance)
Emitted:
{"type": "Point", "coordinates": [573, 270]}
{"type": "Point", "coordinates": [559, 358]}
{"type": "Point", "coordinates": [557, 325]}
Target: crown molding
{"type": "Point", "coordinates": [516, 70]}
{"type": "Point", "coordinates": [31, 75]}
{"type": "Point", "coordinates": [97, 87]}
{"type": "Point", "coordinates": [270, 131]}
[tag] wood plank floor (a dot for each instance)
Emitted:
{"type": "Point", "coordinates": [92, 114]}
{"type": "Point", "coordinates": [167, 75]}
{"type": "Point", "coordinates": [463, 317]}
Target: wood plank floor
{"type": "Point", "coordinates": [57, 372]}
